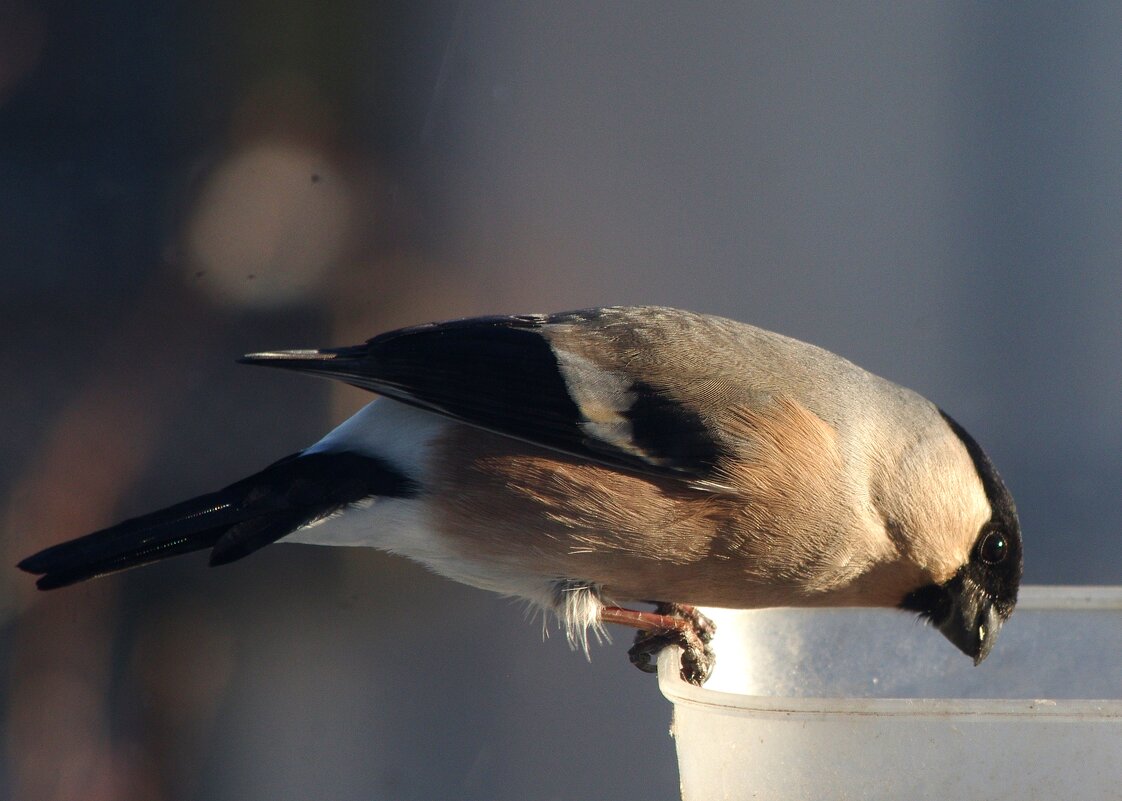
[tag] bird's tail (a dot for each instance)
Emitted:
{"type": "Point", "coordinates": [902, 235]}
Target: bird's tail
{"type": "Point", "coordinates": [232, 522]}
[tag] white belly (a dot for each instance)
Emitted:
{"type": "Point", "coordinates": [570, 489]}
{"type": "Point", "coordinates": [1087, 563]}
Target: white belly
{"type": "Point", "coordinates": [403, 436]}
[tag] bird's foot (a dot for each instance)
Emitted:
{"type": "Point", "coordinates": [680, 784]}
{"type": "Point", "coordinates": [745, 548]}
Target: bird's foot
{"type": "Point", "coordinates": [670, 624]}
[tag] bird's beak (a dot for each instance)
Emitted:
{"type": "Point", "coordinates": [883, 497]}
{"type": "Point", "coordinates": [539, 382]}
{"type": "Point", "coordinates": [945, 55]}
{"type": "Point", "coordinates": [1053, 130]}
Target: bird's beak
{"type": "Point", "coordinates": [972, 622]}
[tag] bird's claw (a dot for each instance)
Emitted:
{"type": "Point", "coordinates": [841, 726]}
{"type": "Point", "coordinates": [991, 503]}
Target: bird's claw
{"type": "Point", "coordinates": [693, 639]}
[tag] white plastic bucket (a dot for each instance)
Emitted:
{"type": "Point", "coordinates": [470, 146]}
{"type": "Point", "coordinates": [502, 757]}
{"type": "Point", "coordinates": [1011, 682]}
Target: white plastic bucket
{"type": "Point", "coordinates": [869, 704]}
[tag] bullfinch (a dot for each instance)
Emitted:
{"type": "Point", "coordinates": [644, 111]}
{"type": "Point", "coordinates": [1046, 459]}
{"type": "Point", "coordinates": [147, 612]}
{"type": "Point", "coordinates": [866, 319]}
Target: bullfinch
{"type": "Point", "coordinates": [587, 460]}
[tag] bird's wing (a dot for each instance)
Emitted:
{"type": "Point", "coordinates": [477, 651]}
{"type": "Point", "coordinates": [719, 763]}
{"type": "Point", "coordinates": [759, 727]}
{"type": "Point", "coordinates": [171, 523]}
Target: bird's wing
{"type": "Point", "coordinates": [584, 383]}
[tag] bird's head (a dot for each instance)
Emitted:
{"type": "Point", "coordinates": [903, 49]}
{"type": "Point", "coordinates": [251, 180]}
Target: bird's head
{"type": "Point", "coordinates": [971, 605]}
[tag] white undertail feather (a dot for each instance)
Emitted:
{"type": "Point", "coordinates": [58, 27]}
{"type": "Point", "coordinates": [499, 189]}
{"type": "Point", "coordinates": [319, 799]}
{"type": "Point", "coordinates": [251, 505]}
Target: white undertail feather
{"type": "Point", "coordinates": [577, 605]}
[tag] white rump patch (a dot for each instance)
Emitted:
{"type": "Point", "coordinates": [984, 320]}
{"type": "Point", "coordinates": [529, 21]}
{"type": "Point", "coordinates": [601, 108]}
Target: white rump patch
{"type": "Point", "coordinates": [389, 430]}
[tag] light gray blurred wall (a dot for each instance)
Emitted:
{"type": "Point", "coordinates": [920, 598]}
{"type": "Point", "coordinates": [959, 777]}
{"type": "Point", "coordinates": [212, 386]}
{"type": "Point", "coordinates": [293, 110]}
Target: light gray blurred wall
{"type": "Point", "coordinates": [931, 190]}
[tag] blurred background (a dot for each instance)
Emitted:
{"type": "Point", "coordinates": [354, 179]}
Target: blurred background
{"type": "Point", "coordinates": [930, 189]}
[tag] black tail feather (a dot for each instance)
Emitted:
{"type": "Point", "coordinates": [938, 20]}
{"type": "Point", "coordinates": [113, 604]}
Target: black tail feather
{"type": "Point", "coordinates": [234, 521]}
{"type": "Point", "coordinates": [189, 526]}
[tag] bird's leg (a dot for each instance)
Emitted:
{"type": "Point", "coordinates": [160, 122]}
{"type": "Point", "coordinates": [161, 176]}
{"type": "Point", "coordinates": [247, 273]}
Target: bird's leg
{"type": "Point", "coordinates": [669, 624]}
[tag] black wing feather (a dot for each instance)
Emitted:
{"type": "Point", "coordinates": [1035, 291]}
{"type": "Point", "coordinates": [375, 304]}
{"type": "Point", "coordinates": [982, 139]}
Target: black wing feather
{"type": "Point", "coordinates": [502, 374]}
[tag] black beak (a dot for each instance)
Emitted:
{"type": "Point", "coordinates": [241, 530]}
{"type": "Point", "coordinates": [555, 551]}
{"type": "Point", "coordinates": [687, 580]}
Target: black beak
{"type": "Point", "coordinates": [972, 623]}
{"type": "Point", "coordinates": [963, 611]}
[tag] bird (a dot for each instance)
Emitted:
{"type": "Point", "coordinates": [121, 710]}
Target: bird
{"type": "Point", "coordinates": [594, 460]}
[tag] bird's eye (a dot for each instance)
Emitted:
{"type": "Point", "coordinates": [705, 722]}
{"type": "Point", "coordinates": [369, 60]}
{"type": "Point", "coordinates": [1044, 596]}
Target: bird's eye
{"type": "Point", "coordinates": [993, 548]}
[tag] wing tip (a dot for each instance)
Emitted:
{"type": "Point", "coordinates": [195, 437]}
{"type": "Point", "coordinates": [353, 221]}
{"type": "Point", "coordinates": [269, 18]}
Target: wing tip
{"type": "Point", "coordinates": [285, 355]}
{"type": "Point", "coordinates": [309, 357]}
